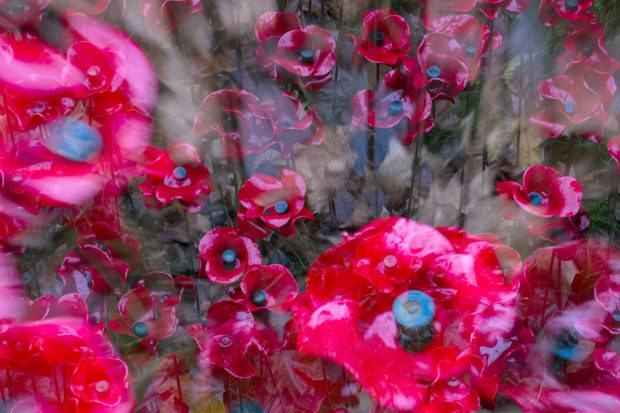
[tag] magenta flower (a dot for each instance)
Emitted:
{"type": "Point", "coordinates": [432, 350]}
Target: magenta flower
{"type": "Point", "coordinates": [385, 38]}
{"type": "Point", "coordinates": [490, 8]}
{"type": "Point", "coordinates": [588, 41]}
{"type": "Point", "coordinates": [167, 14]}
{"type": "Point", "coordinates": [226, 255]}
{"type": "Point", "coordinates": [607, 294]}
{"type": "Point", "coordinates": [226, 337]}
{"type": "Point", "coordinates": [269, 28]}
{"type": "Point", "coordinates": [104, 69]}
{"type": "Point", "coordinates": [398, 105]}
{"type": "Point", "coordinates": [551, 12]}
{"type": "Point", "coordinates": [268, 286]}
{"type": "Point", "coordinates": [100, 380]}
{"type": "Point", "coordinates": [122, 246]}
{"type": "Point", "coordinates": [270, 203]}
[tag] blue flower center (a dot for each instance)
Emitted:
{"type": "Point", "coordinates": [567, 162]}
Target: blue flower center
{"type": "Point", "coordinates": [570, 108]}
{"type": "Point", "coordinates": [224, 341]}
{"type": "Point", "coordinates": [88, 277]}
{"type": "Point", "coordinates": [179, 173]}
{"type": "Point", "coordinates": [229, 123]}
{"type": "Point", "coordinates": [229, 256]}
{"type": "Point", "coordinates": [565, 345]}
{"type": "Point", "coordinates": [74, 140]}
{"type": "Point", "coordinates": [379, 38]}
{"type": "Point", "coordinates": [307, 55]}
{"type": "Point", "coordinates": [281, 207]}
{"type": "Point", "coordinates": [395, 108]}
{"type": "Point", "coordinates": [470, 50]}
{"type": "Point", "coordinates": [164, 298]}
{"type": "Point", "coordinates": [571, 5]}
{"type": "Point", "coordinates": [535, 198]}
{"type": "Point", "coordinates": [140, 329]}
{"type": "Point", "coordinates": [259, 298]}
{"type": "Point", "coordinates": [287, 123]}
{"type": "Point", "coordinates": [413, 309]}
{"type": "Point", "coordinates": [246, 407]}
{"type": "Point", "coordinates": [433, 72]}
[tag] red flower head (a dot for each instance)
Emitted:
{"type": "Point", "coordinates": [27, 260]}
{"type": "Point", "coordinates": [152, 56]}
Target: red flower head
{"type": "Point", "coordinates": [385, 38]}
{"type": "Point", "coordinates": [551, 12]}
{"type": "Point", "coordinates": [112, 242]}
{"type": "Point", "coordinates": [396, 343]}
{"type": "Point", "coordinates": [269, 203]}
{"type": "Point", "coordinates": [146, 316]}
{"type": "Point", "coordinates": [284, 113]}
{"type": "Point", "coordinates": [104, 69]}
{"type": "Point", "coordinates": [225, 255]}
{"type": "Point", "coordinates": [613, 146]}
{"type": "Point", "coordinates": [268, 286]}
{"type": "Point", "coordinates": [307, 55]}
{"type": "Point", "coordinates": [14, 14]}
{"type": "Point", "coordinates": [269, 28]}
{"type": "Point", "coordinates": [607, 294]}
{"type": "Point", "coordinates": [48, 306]}
{"type": "Point", "coordinates": [588, 41]}
{"type": "Point", "coordinates": [176, 173]}
{"type": "Point", "coordinates": [232, 115]}
{"type": "Point", "coordinates": [398, 105]}
{"type": "Point", "coordinates": [226, 337]}
{"type": "Point", "coordinates": [101, 381]}
{"type": "Point", "coordinates": [471, 35]}
{"type": "Point", "coordinates": [439, 66]}
{"type": "Point", "coordinates": [167, 14]}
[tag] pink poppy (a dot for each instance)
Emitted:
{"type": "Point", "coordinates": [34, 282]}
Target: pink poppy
{"type": "Point", "coordinates": [100, 380]}
{"type": "Point", "coordinates": [268, 286]}
{"type": "Point", "coordinates": [226, 338]}
{"type": "Point", "coordinates": [226, 255]}
{"type": "Point", "coordinates": [167, 14]}
{"type": "Point", "coordinates": [147, 317]}
{"type": "Point", "coordinates": [601, 82]}
{"type": "Point", "coordinates": [48, 306]}
{"type": "Point", "coordinates": [551, 12]}
{"type": "Point", "coordinates": [269, 28]}
{"type": "Point", "coordinates": [588, 41]}
{"type": "Point", "coordinates": [176, 173]}
{"type": "Point", "coordinates": [439, 66]}
{"type": "Point", "coordinates": [232, 115]}
{"type": "Point", "coordinates": [122, 246]}
{"type": "Point", "coordinates": [613, 147]}
{"type": "Point", "coordinates": [398, 105]}
{"type": "Point", "coordinates": [274, 203]}
{"type": "Point", "coordinates": [385, 38]}
{"type": "Point", "coordinates": [104, 69]}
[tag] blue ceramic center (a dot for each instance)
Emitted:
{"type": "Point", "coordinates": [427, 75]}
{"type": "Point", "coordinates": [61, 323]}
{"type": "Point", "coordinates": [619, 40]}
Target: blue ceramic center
{"type": "Point", "coordinates": [307, 55]}
{"type": "Point", "coordinates": [229, 256]}
{"type": "Point", "coordinates": [379, 38]}
{"type": "Point", "coordinates": [571, 5]}
{"type": "Point", "coordinates": [470, 50]}
{"type": "Point", "coordinates": [535, 198]}
{"type": "Point", "coordinates": [287, 124]}
{"type": "Point", "coordinates": [396, 107]}
{"type": "Point", "coordinates": [259, 298]}
{"type": "Point", "coordinates": [433, 72]}
{"type": "Point", "coordinates": [246, 407]}
{"type": "Point", "coordinates": [281, 207]}
{"type": "Point", "coordinates": [570, 108]}
{"type": "Point", "coordinates": [413, 309]}
{"type": "Point", "coordinates": [140, 329]}
{"type": "Point", "coordinates": [565, 345]}
{"type": "Point", "coordinates": [74, 140]}
{"type": "Point", "coordinates": [179, 173]}
{"type": "Point", "coordinates": [88, 276]}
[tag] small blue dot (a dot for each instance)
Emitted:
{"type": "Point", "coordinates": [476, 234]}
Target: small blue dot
{"type": "Point", "coordinates": [259, 298]}
{"type": "Point", "coordinates": [140, 329]}
{"type": "Point", "coordinates": [281, 207]}
{"type": "Point", "coordinates": [179, 173]}
{"type": "Point", "coordinates": [570, 108]}
{"type": "Point", "coordinates": [571, 5]}
{"type": "Point", "coordinates": [379, 38]}
{"type": "Point", "coordinates": [396, 108]}
{"type": "Point", "coordinates": [88, 277]}
{"type": "Point", "coordinates": [470, 50]}
{"type": "Point", "coordinates": [413, 309]}
{"type": "Point", "coordinates": [287, 124]}
{"type": "Point", "coordinates": [307, 55]}
{"type": "Point", "coordinates": [433, 72]}
{"type": "Point", "coordinates": [229, 256]}
{"type": "Point", "coordinates": [535, 198]}
{"type": "Point", "coordinates": [74, 139]}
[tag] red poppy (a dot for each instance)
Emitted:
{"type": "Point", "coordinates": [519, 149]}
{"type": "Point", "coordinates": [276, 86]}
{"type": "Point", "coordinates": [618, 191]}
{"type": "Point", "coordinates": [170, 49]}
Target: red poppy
{"type": "Point", "coordinates": [269, 28]}
{"type": "Point", "coordinates": [268, 286]}
{"type": "Point", "coordinates": [100, 380]}
{"type": "Point", "coordinates": [551, 12]}
{"type": "Point", "coordinates": [613, 146]}
{"type": "Point", "coordinates": [167, 14]}
{"type": "Point", "coordinates": [122, 246]}
{"type": "Point", "coordinates": [545, 194]}
{"type": "Point", "coordinates": [439, 66]}
{"type": "Point", "coordinates": [601, 82]}
{"type": "Point", "coordinates": [471, 35]}
{"type": "Point", "coordinates": [288, 129]}
{"type": "Point", "coordinates": [146, 317]}
{"type": "Point", "coordinates": [104, 69]}
{"type": "Point", "coordinates": [385, 38]}
{"type": "Point", "coordinates": [307, 55]}
{"type": "Point", "coordinates": [273, 203]}
{"type": "Point", "coordinates": [490, 8]}
{"type": "Point", "coordinates": [607, 294]}
{"type": "Point", "coordinates": [225, 255]}
{"type": "Point", "coordinates": [176, 173]}
{"type": "Point", "coordinates": [376, 337]}
{"type": "Point", "coordinates": [398, 105]}
{"type": "Point", "coordinates": [588, 41]}
{"type": "Point", "coordinates": [14, 14]}
{"type": "Point", "coordinates": [226, 337]}
{"type": "Point", "coordinates": [232, 115]}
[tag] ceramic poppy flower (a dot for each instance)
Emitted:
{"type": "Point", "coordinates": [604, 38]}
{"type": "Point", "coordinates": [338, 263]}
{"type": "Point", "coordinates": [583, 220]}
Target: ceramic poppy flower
{"type": "Point", "coordinates": [551, 12]}
{"type": "Point", "coordinates": [48, 306]}
{"type": "Point", "coordinates": [225, 338]}
{"type": "Point", "coordinates": [100, 380]}
{"type": "Point", "coordinates": [385, 38]}
{"type": "Point", "coordinates": [607, 294]}
{"type": "Point", "coordinates": [394, 343]}
{"type": "Point", "coordinates": [122, 246]}
{"type": "Point", "coordinates": [288, 129]}
{"type": "Point", "coordinates": [168, 14]}
{"type": "Point", "coordinates": [398, 105]}
{"type": "Point", "coordinates": [603, 83]}
{"type": "Point", "coordinates": [269, 28]}
{"type": "Point", "coordinates": [268, 286]}
{"type": "Point", "coordinates": [471, 35]}
{"type": "Point", "coordinates": [14, 14]}
{"type": "Point", "coordinates": [588, 41]}
{"type": "Point", "coordinates": [147, 317]}
{"type": "Point", "coordinates": [544, 193]}
{"type": "Point", "coordinates": [306, 55]}
{"type": "Point", "coordinates": [176, 173]}
{"type": "Point", "coordinates": [104, 68]}
{"type": "Point", "coordinates": [232, 115]}
{"type": "Point", "coordinates": [273, 203]}
{"type": "Point", "coordinates": [490, 8]}
{"type": "Point", "coordinates": [225, 255]}
{"type": "Point", "coordinates": [613, 147]}
{"type": "Point", "coordinates": [439, 66]}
